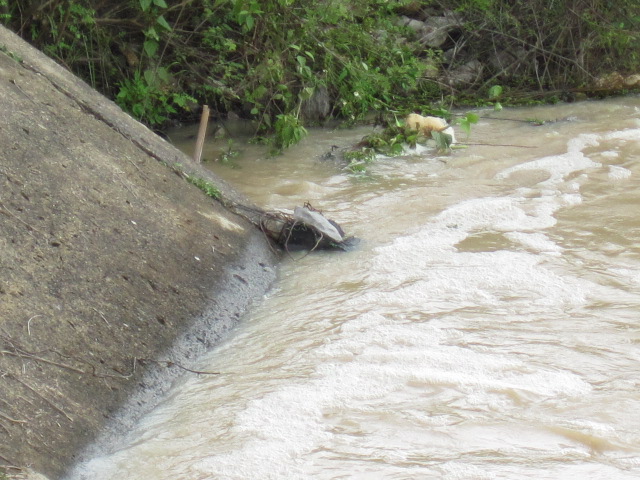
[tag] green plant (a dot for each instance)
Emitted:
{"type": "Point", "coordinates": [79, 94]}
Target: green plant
{"type": "Point", "coordinates": [227, 157]}
{"type": "Point", "coordinates": [156, 22]}
{"type": "Point", "coordinates": [536, 121]}
{"type": "Point", "coordinates": [442, 140]}
{"type": "Point", "coordinates": [553, 45]}
{"type": "Point", "coordinates": [494, 94]}
{"type": "Point", "coordinates": [207, 187]}
{"type": "Point", "coordinates": [149, 97]}
{"type": "Point", "coordinates": [466, 122]}
{"type": "Point", "coordinates": [10, 54]}
{"type": "Point", "coordinates": [358, 159]}
{"type": "Point", "coordinates": [288, 131]}
{"type": "Point", "coordinates": [5, 15]}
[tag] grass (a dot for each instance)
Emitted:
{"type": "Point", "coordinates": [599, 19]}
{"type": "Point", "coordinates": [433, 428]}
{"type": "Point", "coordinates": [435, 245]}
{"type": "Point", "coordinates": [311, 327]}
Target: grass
{"type": "Point", "coordinates": [207, 187]}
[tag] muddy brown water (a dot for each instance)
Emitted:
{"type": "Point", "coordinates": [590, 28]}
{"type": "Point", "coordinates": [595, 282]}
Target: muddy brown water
{"type": "Point", "coordinates": [487, 327]}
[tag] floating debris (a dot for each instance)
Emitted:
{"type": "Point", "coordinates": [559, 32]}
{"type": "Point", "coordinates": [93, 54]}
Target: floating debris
{"type": "Point", "coordinates": [304, 229]}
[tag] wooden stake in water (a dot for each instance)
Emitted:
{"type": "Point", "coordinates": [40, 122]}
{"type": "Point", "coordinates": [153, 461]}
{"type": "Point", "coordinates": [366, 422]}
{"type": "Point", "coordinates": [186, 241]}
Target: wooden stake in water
{"type": "Point", "coordinates": [202, 132]}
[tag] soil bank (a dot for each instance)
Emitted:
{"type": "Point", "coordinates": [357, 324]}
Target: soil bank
{"type": "Point", "coordinates": [111, 264]}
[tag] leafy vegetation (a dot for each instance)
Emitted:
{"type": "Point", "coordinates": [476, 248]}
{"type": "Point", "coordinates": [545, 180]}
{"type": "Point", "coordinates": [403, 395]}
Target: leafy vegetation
{"type": "Point", "coordinates": [207, 187]}
{"type": "Point", "coordinates": [289, 63]}
{"type": "Point", "coordinates": [552, 47]}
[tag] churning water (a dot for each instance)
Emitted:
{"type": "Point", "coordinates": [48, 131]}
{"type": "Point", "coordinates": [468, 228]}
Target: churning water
{"type": "Point", "coordinates": [487, 327]}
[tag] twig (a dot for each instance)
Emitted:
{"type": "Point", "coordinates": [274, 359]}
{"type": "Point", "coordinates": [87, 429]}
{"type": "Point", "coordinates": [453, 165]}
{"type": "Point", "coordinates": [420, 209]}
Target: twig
{"type": "Point", "coordinates": [289, 233]}
{"type": "Point", "coordinates": [137, 168]}
{"type": "Point", "coordinates": [30, 227]}
{"type": "Point", "coordinates": [127, 186]}
{"type": "Point", "coordinates": [496, 145]}
{"type": "Point", "coordinates": [29, 323]}
{"type": "Point", "coordinates": [167, 363]}
{"type": "Point", "coordinates": [102, 315]}
{"type": "Point", "coordinates": [509, 119]}
{"type": "Point", "coordinates": [22, 353]}
{"type": "Point", "coordinates": [43, 360]}
{"type": "Point", "coordinates": [45, 399]}
{"type": "Point", "coordinates": [314, 247]}
{"type": "Point", "coordinates": [12, 420]}
{"type": "Point", "coordinates": [8, 464]}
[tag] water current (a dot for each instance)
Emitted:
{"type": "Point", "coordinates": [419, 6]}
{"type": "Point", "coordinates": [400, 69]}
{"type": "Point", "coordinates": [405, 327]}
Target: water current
{"type": "Point", "coordinates": [486, 327]}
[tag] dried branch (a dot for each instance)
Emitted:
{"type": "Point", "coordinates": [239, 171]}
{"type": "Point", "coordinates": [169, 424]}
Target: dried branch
{"type": "Point", "coordinates": [10, 419]}
{"type": "Point", "coordinates": [169, 364]}
{"type": "Point", "coordinates": [36, 393]}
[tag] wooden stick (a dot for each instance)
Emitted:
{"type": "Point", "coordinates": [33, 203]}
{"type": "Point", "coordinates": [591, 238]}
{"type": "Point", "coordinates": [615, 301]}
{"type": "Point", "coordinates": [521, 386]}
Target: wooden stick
{"type": "Point", "coordinates": [495, 145]}
{"type": "Point", "coordinates": [202, 132]}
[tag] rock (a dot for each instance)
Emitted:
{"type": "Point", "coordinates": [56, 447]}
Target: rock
{"type": "Point", "coordinates": [465, 74]}
{"type": "Point", "coordinates": [613, 81]}
{"type": "Point", "coordinates": [617, 81]}
{"type": "Point", "coordinates": [318, 107]}
{"type": "Point", "coordinates": [415, 25]}
{"type": "Point", "coordinates": [506, 61]}
{"type": "Point", "coordinates": [315, 219]}
{"type": "Point", "coordinates": [434, 31]}
{"type": "Point", "coordinates": [437, 30]}
{"type": "Point", "coordinates": [632, 81]}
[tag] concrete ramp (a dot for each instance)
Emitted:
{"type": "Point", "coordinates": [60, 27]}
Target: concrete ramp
{"type": "Point", "coordinates": [111, 264]}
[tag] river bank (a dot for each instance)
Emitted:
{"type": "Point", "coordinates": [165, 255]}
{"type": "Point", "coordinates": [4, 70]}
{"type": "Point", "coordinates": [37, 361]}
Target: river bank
{"type": "Point", "coordinates": [116, 273]}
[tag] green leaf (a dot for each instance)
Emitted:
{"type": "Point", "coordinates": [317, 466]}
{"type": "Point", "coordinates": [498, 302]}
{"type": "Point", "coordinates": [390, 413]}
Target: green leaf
{"type": "Point", "coordinates": [160, 3]}
{"type": "Point", "coordinates": [163, 74]}
{"type": "Point", "coordinates": [163, 23]}
{"type": "Point", "coordinates": [307, 93]}
{"type": "Point", "coordinates": [472, 118]}
{"type": "Point", "coordinates": [443, 140]}
{"type": "Point", "coordinates": [495, 91]}
{"type": "Point", "coordinates": [150, 77]}
{"type": "Point", "coordinates": [151, 47]}
{"type": "Point", "coordinates": [151, 34]}
{"type": "Point", "coordinates": [145, 4]}
{"type": "Point", "coordinates": [497, 107]}
{"type": "Point", "coordinates": [466, 122]}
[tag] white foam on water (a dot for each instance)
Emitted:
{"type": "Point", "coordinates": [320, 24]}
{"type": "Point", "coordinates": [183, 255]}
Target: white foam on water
{"type": "Point", "coordinates": [359, 374]}
{"type": "Point", "coordinates": [559, 166]}
{"type": "Point", "coordinates": [536, 242]}
{"type": "Point", "coordinates": [619, 173]}
{"type": "Point", "coordinates": [629, 134]}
